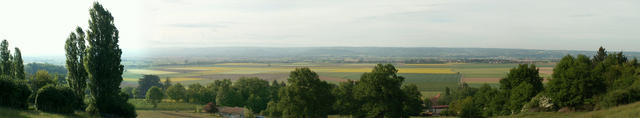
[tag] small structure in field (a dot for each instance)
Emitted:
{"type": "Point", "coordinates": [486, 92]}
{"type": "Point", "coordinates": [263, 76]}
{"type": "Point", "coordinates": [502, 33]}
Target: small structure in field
{"type": "Point", "coordinates": [231, 112]}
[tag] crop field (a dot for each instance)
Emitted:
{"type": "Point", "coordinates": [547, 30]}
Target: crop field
{"type": "Point", "coordinates": [430, 78]}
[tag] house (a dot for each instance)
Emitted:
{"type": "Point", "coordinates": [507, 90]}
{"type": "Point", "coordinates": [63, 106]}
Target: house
{"type": "Point", "coordinates": [231, 112]}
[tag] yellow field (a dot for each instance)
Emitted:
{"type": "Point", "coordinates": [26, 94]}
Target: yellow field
{"type": "Point", "coordinates": [146, 71]}
{"type": "Point", "coordinates": [184, 79]}
{"type": "Point", "coordinates": [242, 64]}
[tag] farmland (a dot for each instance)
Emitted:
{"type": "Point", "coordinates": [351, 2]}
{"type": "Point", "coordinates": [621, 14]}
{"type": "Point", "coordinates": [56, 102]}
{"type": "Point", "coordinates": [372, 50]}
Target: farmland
{"type": "Point", "coordinates": [430, 78]}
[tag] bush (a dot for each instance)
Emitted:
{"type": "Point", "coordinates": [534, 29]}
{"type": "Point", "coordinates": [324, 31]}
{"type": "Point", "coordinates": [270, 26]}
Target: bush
{"type": "Point", "coordinates": [55, 99]}
{"type": "Point", "coordinates": [14, 94]}
{"type": "Point", "coordinates": [210, 108]}
{"type": "Point", "coordinates": [539, 103]}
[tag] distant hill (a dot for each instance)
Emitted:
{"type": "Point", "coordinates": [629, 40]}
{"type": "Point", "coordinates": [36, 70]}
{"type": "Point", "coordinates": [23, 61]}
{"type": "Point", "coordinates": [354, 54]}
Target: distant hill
{"type": "Point", "coordinates": [368, 52]}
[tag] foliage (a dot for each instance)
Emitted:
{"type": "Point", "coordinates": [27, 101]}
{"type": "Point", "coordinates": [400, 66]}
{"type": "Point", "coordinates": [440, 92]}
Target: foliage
{"type": "Point", "coordinates": [305, 95]}
{"type": "Point", "coordinates": [5, 59]}
{"type": "Point", "coordinates": [520, 95]}
{"type": "Point", "coordinates": [413, 102]}
{"type": "Point", "coordinates": [176, 92]}
{"type": "Point", "coordinates": [572, 84]}
{"type": "Point", "coordinates": [380, 94]}
{"type": "Point", "coordinates": [539, 103]}
{"type": "Point", "coordinates": [32, 68]}
{"type": "Point", "coordinates": [465, 108]}
{"type": "Point", "coordinates": [167, 84]}
{"type": "Point", "coordinates": [41, 79]}
{"type": "Point", "coordinates": [18, 66]}
{"type": "Point", "coordinates": [345, 103]}
{"type": "Point", "coordinates": [228, 96]}
{"type": "Point", "coordinates": [146, 82]}
{"type": "Point", "coordinates": [154, 96]}
{"type": "Point", "coordinates": [128, 90]}
{"type": "Point", "coordinates": [210, 108]}
{"type": "Point", "coordinates": [14, 93]}
{"type": "Point", "coordinates": [254, 91]}
{"type": "Point", "coordinates": [103, 64]}
{"type": "Point", "coordinates": [77, 74]}
{"type": "Point", "coordinates": [55, 99]}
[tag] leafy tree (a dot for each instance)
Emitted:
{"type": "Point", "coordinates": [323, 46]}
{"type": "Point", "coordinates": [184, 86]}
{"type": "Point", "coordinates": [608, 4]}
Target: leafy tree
{"type": "Point", "coordinates": [5, 56]}
{"type": "Point", "coordinates": [466, 108]}
{"type": "Point", "coordinates": [345, 103]}
{"type": "Point", "coordinates": [41, 79]}
{"type": "Point", "coordinates": [77, 74]}
{"type": "Point", "coordinates": [18, 66]}
{"type": "Point", "coordinates": [154, 96]}
{"type": "Point", "coordinates": [520, 95]}
{"type": "Point", "coordinates": [572, 84]}
{"type": "Point", "coordinates": [134, 92]}
{"type": "Point", "coordinates": [103, 64]}
{"type": "Point", "coordinates": [523, 73]}
{"type": "Point", "coordinates": [176, 92]}
{"type": "Point", "coordinates": [52, 98]}
{"type": "Point", "coordinates": [255, 103]}
{"type": "Point", "coordinates": [146, 82]}
{"type": "Point", "coordinates": [253, 86]}
{"type": "Point", "coordinates": [413, 102]}
{"type": "Point", "coordinates": [273, 110]}
{"type": "Point", "coordinates": [491, 101]}
{"type": "Point", "coordinates": [193, 93]}
{"type": "Point", "coordinates": [380, 93]}
{"type": "Point", "coordinates": [228, 96]}
{"type": "Point", "coordinates": [600, 55]}
{"type": "Point", "coordinates": [128, 90]}
{"type": "Point", "coordinates": [305, 96]}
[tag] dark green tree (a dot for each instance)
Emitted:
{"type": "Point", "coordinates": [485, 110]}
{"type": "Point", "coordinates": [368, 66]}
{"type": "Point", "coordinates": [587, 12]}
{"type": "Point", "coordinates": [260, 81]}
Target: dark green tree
{"type": "Point", "coordinates": [41, 79]}
{"type": "Point", "coordinates": [572, 84]}
{"type": "Point", "coordinates": [259, 88]}
{"type": "Point", "coordinates": [5, 56]}
{"type": "Point", "coordinates": [413, 102]}
{"type": "Point", "coordinates": [76, 73]}
{"type": "Point", "coordinates": [128, 90]}
{"type": "Point", "coordinates": [154, 96]}
{"type": "Point", "coordinates": [228, 96]}
{"type": "Point", "coordinates": [345, 103]}
{"type": "Point", "coordinates": [523, 73]}
{"type": "Point", "coordinates": [520, 96]}
{"type": "Point", "coordinates": [146, 82]}
{"type": "Point", "coordinates": [103, 64]}
{"type": "Point", "coordinates": [306, 96]}
{"type": "Point", "coordinates": [380, 93]}
{"type": "Point", "coordinates": [177, 92]}
{"type": "Point", "coordinates": [600, 55]}
{"type": "Point", "coordinates": [18, 66]}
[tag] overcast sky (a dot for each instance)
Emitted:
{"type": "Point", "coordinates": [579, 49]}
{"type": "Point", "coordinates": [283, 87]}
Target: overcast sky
{"type": "Point", "coordinates": [42, 26]}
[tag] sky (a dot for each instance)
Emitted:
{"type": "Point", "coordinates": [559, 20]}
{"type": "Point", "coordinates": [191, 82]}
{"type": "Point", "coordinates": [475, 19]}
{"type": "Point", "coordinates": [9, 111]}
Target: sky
{"type": "Point", "coordinates": [40, 27]}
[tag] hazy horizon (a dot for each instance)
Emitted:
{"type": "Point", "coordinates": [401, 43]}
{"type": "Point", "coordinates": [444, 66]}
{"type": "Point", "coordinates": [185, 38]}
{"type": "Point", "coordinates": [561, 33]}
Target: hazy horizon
{"type": "Point", "coordinates": [42, 28]}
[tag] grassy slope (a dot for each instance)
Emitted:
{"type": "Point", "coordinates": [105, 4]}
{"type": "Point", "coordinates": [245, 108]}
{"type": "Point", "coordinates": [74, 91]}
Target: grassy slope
{"type": "Point", "coordinates": [625, 111]}
{"type": "Point", "coordinates": [14, 113]}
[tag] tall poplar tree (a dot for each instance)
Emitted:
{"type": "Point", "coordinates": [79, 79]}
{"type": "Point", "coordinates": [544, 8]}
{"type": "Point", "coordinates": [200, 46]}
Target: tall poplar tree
{"type": "Point", "coordinates": [102, 62]}
{"type": "Point", "coordinates": [18, 66]}
{"type": "Point", "coordinates": [77, 74]}
{"type": "Point", "coordinates": [5, 55]}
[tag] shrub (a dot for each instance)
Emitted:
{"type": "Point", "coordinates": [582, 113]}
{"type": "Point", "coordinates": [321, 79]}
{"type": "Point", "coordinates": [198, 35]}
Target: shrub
{"type": "Point", "coordinates": [210, 108]}
{"type": "Point", "coordinates": [539, 103]}
{"type": "Point", "coordinates": [14, 94]}
{"type": "Point", "coordinates": [55, 99]}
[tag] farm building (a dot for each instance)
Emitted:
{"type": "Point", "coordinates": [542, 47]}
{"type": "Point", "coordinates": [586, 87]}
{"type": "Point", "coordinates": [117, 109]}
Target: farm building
{"type": "Point", "coordinates": [231, 112]}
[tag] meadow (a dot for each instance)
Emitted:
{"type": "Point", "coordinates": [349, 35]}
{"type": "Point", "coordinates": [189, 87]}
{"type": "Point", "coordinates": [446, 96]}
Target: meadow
{"type": "Point", "coordinates": [431, 79]}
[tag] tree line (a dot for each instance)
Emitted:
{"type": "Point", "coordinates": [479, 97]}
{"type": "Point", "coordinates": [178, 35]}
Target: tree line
{"type": "Point", "coordinates": [379, 93]}
{"type": "Point", "coordinates": [578, 83]}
